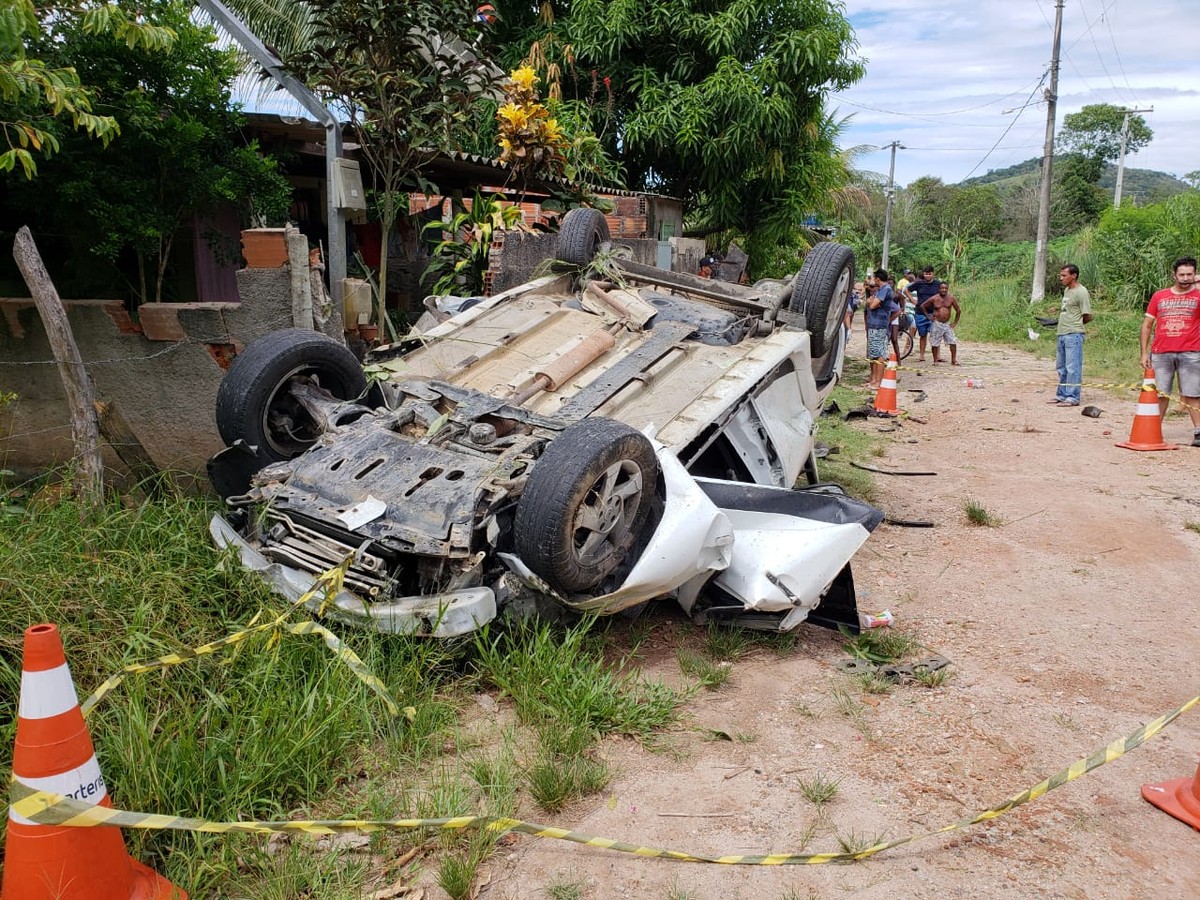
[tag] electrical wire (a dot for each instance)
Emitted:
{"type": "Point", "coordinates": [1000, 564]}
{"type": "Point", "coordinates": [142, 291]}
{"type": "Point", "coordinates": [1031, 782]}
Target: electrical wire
{"type": "Point", "coordinates": [1112, 39]}
{"type": "Point", "coordinates": [1016, 118]}
{"type": "Point", "coordinates": [1103, 64]}
{"type": "Point", "coordinates": [923, 118]}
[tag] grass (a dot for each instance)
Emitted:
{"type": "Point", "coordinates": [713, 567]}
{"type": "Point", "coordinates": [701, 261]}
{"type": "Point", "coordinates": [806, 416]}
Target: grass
{"type": "Point", "coordinates": [881, 645]}
{"type": "Point", "coordinates": [140, 582]}
{"type": "Point", "coordinates": [556, 780]}
{"type": "Point", "coordinates": [931, 678]}
{"type": "Point", "coordinates": [675, 892]}
{"type": "Point", "coordinates": [998, 312]}
{"type": "Point", "coordinates": [1192, 526]}
{"type": "Point", "coordinates": [457, 872]}
{"type": "Point", "coordinates": [728, 643]}
{"type": "Point", "coordinates": [856, 842]}
{"type": "Point", "coordinates": [275, 727]}
{"type": "Point", "coordinates": [560, 677]}
{"type": "Point", "coordinates": [852, 441]}
{"type": "Point", "coordinates": [566, 889]}
{"type": "Point", "coordinates": [873, 683]}
{"type": "Point", "coordinates": [819, 789]}
{"type": "Point", "coordinates": [977, 514]}
{"type": "Point", "coordinates": [708, 674]}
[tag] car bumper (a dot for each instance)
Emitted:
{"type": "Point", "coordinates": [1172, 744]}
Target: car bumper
{"type": "Point", "coordinates": [437, 615]}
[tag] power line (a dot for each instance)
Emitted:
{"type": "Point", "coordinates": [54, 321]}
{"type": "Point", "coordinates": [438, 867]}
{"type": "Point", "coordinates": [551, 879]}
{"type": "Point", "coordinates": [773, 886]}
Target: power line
{"type": "Point", "coordinates": [1016, 118]}
{"type": "Point", "coordinates": [1103, 64]}
{"type": "Point", "coordinates": [1117, 54]}
{"type": "Point", "coordinates": [924, 118]}
{"type": "Point", "coordinates": [973, 149]}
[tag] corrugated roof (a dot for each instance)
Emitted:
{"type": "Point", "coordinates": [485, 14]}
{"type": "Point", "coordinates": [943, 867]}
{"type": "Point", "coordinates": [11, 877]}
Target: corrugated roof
{"type": "Point", "coordinates": [465, 169]}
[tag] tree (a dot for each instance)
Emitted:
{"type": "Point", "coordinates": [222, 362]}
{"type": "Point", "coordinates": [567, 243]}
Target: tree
{"type": "Point", "coordinates": [35, 93]}
{"type": "Point", "coordinates": [1077, 199]}
{"type": "Point", "coordinates": [404, 80]}
{"type": "Point", "coordinates": [1095, 133]}
{"type": "Point", "coordinates": [179, 154]}
{"type": "Point", "coordinates": [720, 103]}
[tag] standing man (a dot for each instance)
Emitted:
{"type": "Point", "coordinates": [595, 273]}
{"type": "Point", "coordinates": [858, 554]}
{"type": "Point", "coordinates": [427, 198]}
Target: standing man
{"type": "Point", "coordinates": [1075, 312]}
{"type": "Point", "coordinates": [1174, 317]}
{"type": "Point", "coordinates": [937, 308]}
{"type": "Point", "coordinates": [880, 310]}
{"type": "Point", "coordinates": [924, 288]}
{"type": "Point", "coordinates": [708, 267]}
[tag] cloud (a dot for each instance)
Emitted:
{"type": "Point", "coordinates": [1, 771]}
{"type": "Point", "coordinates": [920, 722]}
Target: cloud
{"type": "Point", "coordinates": [942, 73]}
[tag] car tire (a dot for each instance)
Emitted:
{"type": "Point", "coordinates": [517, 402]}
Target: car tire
{"type": "Point", "coordinates": [586, 504]}
{"type": "Point", "coordinates": [582, 233]}
{"type": "Point", "coordinates": [253, 404]}
{"type": "Point", "coordinates": [824, 367]}
{"type": "Point", "coordinates": [821, 293]}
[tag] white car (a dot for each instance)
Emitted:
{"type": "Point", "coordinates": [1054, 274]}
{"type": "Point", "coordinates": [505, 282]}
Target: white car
{"type": "Point", "coordinates": [597, 443]}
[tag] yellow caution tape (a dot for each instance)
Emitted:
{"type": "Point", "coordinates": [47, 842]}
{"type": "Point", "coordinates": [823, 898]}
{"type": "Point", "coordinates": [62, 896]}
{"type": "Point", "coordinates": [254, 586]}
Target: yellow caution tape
{"type": "Point", "coordinates": [328, 583]}
{"type": "Point", "coordinates": [1106, 385]}
{"type": "Point", "coordinates": [47, 808]}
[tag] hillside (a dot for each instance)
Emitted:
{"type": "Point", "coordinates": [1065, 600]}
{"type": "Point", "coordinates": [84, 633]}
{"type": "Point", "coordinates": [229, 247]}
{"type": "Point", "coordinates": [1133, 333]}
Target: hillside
{"type": "Point", "coordinates": [1146, 185]}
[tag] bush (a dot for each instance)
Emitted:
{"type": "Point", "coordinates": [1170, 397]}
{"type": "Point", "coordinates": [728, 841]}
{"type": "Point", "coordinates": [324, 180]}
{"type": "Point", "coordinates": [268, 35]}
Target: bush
{"type": "Point", "coordinates": [1135, 246]}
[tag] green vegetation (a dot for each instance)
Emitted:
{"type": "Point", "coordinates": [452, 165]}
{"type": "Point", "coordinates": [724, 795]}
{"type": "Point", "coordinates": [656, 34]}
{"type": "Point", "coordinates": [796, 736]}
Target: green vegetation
{"type": "Point", "coordinates": [852, 443]}
{"type": "Point", "coordinates": [856, 841]}
{"type": "Point", "coordinates": [880, 645]}
{"type": "Point", "coordinates": [1192, 526]}
{"type": "Point", "coordinates": [708, 674]}
{"type": "Point", "coordinates": [931, 678]}
{"type": "Point", "coordinates": [178, 157]}
{"type": "Point", "coordinates": [566, 889]}
{"type": "Point", "coordinates": [560, 679]}
{"type": "Point", "coordinates": [977, 514]}
{"type": "Point", "coordinates": [38, 92]}
{"type": "Point", "coordinates": [275, 727]}
{"type": "Point", "coordinates": [819, 789]}
{"type": "Point", "coordinates": [666, 79]}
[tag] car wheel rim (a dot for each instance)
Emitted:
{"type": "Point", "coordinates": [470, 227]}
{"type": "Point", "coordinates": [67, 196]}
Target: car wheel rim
{"type": "Point", "coordinates": [286, 424]}
{"type": "Point", "coordinates": [840, 292]}
{"type": "Point", "coordinates": [605, 519]}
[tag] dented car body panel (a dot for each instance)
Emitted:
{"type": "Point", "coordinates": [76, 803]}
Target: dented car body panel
{"type": "Point", "coordinates": [599, 446]}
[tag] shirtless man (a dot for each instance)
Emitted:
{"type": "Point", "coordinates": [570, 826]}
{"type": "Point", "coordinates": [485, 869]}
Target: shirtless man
{"type": "Point", "coordinates": [937, 308]}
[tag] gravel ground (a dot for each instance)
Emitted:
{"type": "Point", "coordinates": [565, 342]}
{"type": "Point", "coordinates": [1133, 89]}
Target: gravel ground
{"type": "Point", "coordinates": [1069, 625]}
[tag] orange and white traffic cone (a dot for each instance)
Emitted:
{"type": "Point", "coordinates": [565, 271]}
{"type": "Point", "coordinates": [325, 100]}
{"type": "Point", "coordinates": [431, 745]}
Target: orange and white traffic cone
{"type": "Point", "coordinates": [1180, 798]}
{"type": "Point", "coordinates": [1147, 422]}
{"type": "Point", "coordinates": [885, 397]}
{"type": "Point", "coordinates": [54, 753]}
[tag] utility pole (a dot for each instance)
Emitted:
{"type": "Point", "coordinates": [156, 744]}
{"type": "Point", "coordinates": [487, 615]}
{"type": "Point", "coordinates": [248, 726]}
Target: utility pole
{"type": "Point", "coordinates": [1121, 158]}
{"type": "Point", "coordinates": [890, 193]}
{"type": "Point", "coordinates": [1038, 292]}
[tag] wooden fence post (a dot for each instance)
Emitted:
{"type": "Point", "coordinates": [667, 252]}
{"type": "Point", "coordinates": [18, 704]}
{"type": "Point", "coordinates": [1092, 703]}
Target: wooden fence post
{"type": "Point", "coordinates": [89, 473]}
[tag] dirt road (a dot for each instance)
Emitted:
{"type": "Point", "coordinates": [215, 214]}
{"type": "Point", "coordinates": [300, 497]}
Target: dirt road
{"type": "Point", "coordinates": [1070, 625]}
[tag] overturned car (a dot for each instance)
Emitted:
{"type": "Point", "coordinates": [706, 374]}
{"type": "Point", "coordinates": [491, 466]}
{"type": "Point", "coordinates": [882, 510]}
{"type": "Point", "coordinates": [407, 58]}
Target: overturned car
{"type": "Point", "coordinates": [593, 443]}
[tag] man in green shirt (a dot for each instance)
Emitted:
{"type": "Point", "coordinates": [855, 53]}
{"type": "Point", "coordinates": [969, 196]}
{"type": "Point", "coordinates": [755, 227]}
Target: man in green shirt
{"type": "Point", "coordinates": [1075, 312]}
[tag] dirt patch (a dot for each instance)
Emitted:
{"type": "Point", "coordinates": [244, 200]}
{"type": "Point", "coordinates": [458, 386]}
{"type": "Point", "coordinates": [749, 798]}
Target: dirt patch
{"type": "Point", "coordinates": [1069, 625]}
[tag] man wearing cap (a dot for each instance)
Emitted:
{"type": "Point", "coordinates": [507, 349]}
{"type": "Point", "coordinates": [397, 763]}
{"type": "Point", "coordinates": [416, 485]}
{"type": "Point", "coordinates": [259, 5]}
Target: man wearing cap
{"type": "Point", "coordinates": [708, 267]}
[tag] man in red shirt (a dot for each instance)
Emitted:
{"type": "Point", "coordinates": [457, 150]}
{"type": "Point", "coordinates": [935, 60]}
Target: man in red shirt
{"type": "Point", "coordinates": [1174, 317]}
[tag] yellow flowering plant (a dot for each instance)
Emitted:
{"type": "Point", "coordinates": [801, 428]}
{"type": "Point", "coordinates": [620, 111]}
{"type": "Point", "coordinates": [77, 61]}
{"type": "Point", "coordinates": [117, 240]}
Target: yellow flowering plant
{"type": "Point", "coordinates": [531, 142]}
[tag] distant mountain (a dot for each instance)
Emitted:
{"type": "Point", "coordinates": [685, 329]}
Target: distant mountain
{"type": "Point", "coordinates": [1145, 185]}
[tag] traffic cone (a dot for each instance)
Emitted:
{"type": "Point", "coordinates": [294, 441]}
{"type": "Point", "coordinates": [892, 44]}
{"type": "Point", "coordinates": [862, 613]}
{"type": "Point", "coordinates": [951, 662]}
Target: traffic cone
{"type": "Point", "coordinates": [1179, 798]}
{"type": "Point", "coordinates": [1147, 422]}
{"type": "Point", "coordinates": [885, 397]}
{"type": "Point", "coordinates": [54, 753]}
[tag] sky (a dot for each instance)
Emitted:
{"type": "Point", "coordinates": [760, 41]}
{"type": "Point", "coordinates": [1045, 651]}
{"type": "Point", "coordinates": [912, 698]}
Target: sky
{"type": "Point", "coordinates": [946, 78]}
